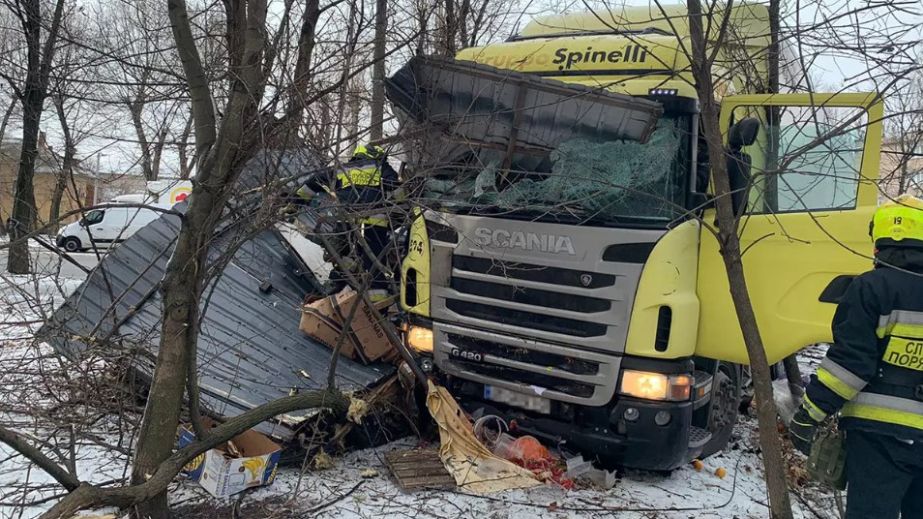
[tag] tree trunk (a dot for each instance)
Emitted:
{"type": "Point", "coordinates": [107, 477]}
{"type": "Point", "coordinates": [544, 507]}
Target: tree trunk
{"type": "Point", "coordinates": [24, 211]}
{"type": "Point", "coordinates": [38, 64]}
{"type": "Point", "coordinates": [185, 162]}
{"type": "Point", "coordinates": [343, 97]}
{"type": "Point", "coordinates": [423, 26]}
{"type": "Point", "coordinates": [376, 130]}
{"type": "Point", "coordinates": [67, 167]}
{"type": "Point", "coordinates": [355, 110]}
{"type": "Point", "coordinates": [158, 153]}
{"type": "Point", "coordinates": [792, 371]}
{"type": "Point", "coordinates": [219, 155]}
{"type": "Point", "coordinates": [135, 108]}
{"type": "Point", "coordinates": [3, 124]}
{"type": "Point", "coordinates": [451, 29]}
{"type": "Point", "coordinates": [770, 442]}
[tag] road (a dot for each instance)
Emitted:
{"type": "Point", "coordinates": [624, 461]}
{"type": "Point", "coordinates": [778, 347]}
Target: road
{"type": "Point", "coordinates": [46, 262]}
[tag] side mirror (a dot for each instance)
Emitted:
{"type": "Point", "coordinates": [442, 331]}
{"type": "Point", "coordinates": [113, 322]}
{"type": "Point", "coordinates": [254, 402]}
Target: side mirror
{"type": "Point", "coordinates": [82, 222]}
{"type": "Point", "coordinates": [743, 133]}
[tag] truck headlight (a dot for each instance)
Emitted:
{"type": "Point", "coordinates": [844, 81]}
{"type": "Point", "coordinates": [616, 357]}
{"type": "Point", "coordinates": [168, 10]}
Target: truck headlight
{"type": "Point", "coordinates": [420, 339]}
{"type": "Point", "coordinates": [656, 386]}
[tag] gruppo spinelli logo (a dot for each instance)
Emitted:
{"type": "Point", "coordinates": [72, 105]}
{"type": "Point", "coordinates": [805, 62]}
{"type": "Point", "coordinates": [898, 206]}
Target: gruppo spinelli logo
{"type": "Point", "coordinates": [566, 58]}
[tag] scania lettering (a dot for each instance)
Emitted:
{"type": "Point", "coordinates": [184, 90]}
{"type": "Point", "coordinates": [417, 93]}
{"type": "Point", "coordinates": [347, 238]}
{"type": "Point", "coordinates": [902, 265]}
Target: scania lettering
{"type": "Point", "coordinates": [501, 238]}
{"type": "Point", "coordinates": [574, 289]}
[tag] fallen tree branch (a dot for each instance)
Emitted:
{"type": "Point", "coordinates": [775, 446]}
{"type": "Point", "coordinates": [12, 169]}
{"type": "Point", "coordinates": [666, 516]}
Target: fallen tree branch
{"type": "Point", "coordinates": [89, 496]}
{"type": "Point", "coordinates": [20, 445]}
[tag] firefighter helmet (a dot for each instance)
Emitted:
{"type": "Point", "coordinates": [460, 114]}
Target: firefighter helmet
{"type": "Point", "coordinates": [899, 219]}
{"type": "Point", "coordinates": [368, 152]}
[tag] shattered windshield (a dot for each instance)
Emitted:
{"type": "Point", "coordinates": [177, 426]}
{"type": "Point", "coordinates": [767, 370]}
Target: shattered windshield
{"type": "Point", "coordinates": [580, 181]}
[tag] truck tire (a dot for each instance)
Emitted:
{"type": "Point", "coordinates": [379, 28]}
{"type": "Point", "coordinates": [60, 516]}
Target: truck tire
{"type": "Point", "coordinates": [72, 244]}
{"type": "Point", "coordinates": [722, 414]}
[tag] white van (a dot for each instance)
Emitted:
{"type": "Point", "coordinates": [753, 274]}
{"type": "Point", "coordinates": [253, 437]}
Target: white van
{"type": "Point", "coordinates": [101, 228]}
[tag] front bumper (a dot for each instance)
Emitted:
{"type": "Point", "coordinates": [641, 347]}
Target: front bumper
{"type": "Point", "coordinates": [602, 433]}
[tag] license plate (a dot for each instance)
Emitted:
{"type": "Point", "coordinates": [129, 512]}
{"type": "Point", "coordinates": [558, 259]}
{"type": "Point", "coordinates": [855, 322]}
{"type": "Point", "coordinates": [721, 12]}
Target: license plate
{"type": "Point", "coordinates": [516, 399]}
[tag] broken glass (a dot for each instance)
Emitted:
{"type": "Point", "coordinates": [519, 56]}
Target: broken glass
{"type": "Point", "coordinates": [580, 180]}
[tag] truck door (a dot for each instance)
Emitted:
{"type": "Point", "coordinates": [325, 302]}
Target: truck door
{"type": "Point", "coordinates": [804, 232]}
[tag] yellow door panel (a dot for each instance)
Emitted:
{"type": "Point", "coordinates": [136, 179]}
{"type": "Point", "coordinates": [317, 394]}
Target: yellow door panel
{"type": "Point", "coordinates": [804, 227]}
{"type": "Point", "coordinates": [415, 269]}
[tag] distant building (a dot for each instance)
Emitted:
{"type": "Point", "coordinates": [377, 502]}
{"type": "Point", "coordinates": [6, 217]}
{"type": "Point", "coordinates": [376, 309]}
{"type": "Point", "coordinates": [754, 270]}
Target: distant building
{"type": "Point", "coordinates": [901, 160]}
{"type": "Point", "coordinates": [85, 189]}
{"type": "Point", "coordinates": [48, 167]}
{"type": "Point", "coordinates": [111, 185]}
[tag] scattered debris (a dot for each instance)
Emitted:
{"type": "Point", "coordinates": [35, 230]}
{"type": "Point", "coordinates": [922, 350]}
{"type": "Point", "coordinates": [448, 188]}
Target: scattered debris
{"type": "Point", "coordinates": [473, 466]}
{"type": "Point", "coordinates": [369, 473]}
{"type": "Point", "coordinates": [417, 469]}
{"type": "Point", "coordinates": [524, 450]}
{"type": "Point", "coordinates": [698, 465]}
{"type": "Point", "coordinates": [322, 461]}
{"type": "Point", "coordinates": [357, 410]}
{"type": "Point", "coordinates": [604, 479]}
{"type": "Point", "coordinates": [721, 472]}
{"type": "Point", "coordinates": [577, 466]}
{"type": "Point", "coordinates": [248, 460]}
{"type": "Point", "coordinates": [363, 339]}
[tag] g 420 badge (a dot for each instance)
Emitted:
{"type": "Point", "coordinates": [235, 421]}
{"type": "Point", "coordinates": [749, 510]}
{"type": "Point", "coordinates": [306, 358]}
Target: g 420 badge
{"type": "Point", "coordinates": [467, 355]}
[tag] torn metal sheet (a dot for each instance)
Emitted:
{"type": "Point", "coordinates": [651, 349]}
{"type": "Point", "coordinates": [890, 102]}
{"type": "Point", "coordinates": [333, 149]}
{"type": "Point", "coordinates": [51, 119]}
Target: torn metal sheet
{"type": "Point", "coordinates": [499, 107]}
{"type": "Point", "coordinates": [250, 350]}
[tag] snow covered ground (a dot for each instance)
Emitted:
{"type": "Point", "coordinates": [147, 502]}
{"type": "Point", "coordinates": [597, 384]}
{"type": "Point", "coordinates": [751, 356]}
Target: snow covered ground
{"type": "Point", "coordinates": [341, 492]}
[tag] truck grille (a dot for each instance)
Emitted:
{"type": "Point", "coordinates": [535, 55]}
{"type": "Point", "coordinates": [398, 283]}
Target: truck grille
{"type": "Point", "coordinates": [531, 296]}
{"type": "Point", "coordinates": [527, 272]}
{"type": "Point", "coordinates": [523, 319]}
{"type": "Point", "coordinates": [512, 314]}
{"type": "Point", "coordinates": [551, 360]}
{"type": "Point", "coordinates": [524, 365]}
{"type": "Point", "coordinates": [507, 290]}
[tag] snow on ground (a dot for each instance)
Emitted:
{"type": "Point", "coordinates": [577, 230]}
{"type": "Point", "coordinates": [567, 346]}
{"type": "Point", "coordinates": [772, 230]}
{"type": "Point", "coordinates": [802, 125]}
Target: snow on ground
{"type": "Point", "coordinates": [341, 492]}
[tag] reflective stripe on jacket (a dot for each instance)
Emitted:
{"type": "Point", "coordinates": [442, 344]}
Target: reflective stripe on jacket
{"type": "Point", "coordinates": [364, 173]}
{"type": "Point", "coordinates": [873, 373]}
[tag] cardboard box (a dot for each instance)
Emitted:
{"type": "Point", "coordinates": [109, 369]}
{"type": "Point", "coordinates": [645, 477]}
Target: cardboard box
{"type": "Point", "coordinates": [248, 460]}
{"type": "Point", "coordinates": [365, 338]}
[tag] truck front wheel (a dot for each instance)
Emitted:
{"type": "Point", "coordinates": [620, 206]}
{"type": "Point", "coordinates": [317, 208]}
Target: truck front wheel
{"type": "Point", "coordinates": [722, 414]}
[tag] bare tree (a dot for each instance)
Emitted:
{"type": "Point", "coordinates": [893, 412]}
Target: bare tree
{"type": "Point", "coordinates": [32, 94]}
{"type": "Point", "coordinates": [702, 62]}
{"type": "Point", "coordinates": [902, 151]}
{"type": "Point", "coordinates": [378, 70]}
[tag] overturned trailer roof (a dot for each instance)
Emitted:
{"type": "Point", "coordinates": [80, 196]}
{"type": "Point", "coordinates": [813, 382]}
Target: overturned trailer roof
{"type": "Point", "coordinates": [250, 350]}
{"type": "Point", "coordinates": [503, 108]}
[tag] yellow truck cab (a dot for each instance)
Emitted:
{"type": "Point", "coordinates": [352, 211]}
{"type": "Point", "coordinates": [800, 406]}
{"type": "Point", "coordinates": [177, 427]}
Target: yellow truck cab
{"type": "Point", "coordinates": [601, 317]}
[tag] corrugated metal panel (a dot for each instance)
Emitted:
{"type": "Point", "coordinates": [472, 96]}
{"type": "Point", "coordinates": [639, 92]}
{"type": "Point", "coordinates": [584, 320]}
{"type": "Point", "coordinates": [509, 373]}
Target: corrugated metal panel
{"type": "Point", "coordinates": [485, 104]}
{"type": "Point", "coordinates": [250, 349]}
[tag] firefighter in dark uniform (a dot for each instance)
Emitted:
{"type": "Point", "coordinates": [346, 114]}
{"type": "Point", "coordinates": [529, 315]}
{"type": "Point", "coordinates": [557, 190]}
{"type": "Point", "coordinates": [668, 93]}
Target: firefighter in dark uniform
{"type": "Point", "coordinates": [361, 185]}
{"type": "Point", "coordinates": [873, 373]}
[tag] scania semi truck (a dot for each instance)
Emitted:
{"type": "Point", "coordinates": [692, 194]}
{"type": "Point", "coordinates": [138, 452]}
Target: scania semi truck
{"type": "Point", "coordinates": [580, 290]}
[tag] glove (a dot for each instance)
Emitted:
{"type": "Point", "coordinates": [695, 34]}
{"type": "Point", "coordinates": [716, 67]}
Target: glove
{"type": "Point", "coordinates": [801, 431]}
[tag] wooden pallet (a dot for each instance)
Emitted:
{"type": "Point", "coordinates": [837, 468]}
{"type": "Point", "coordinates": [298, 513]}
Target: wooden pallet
{"type": "Point", "coordinates": [418, 469]}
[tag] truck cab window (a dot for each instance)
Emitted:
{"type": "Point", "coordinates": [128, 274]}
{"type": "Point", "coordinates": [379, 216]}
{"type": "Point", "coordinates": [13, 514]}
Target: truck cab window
{"type": "Point", "coordinates": [809, 161]}
{"type": "Point", "coordinates": [580, 181]}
